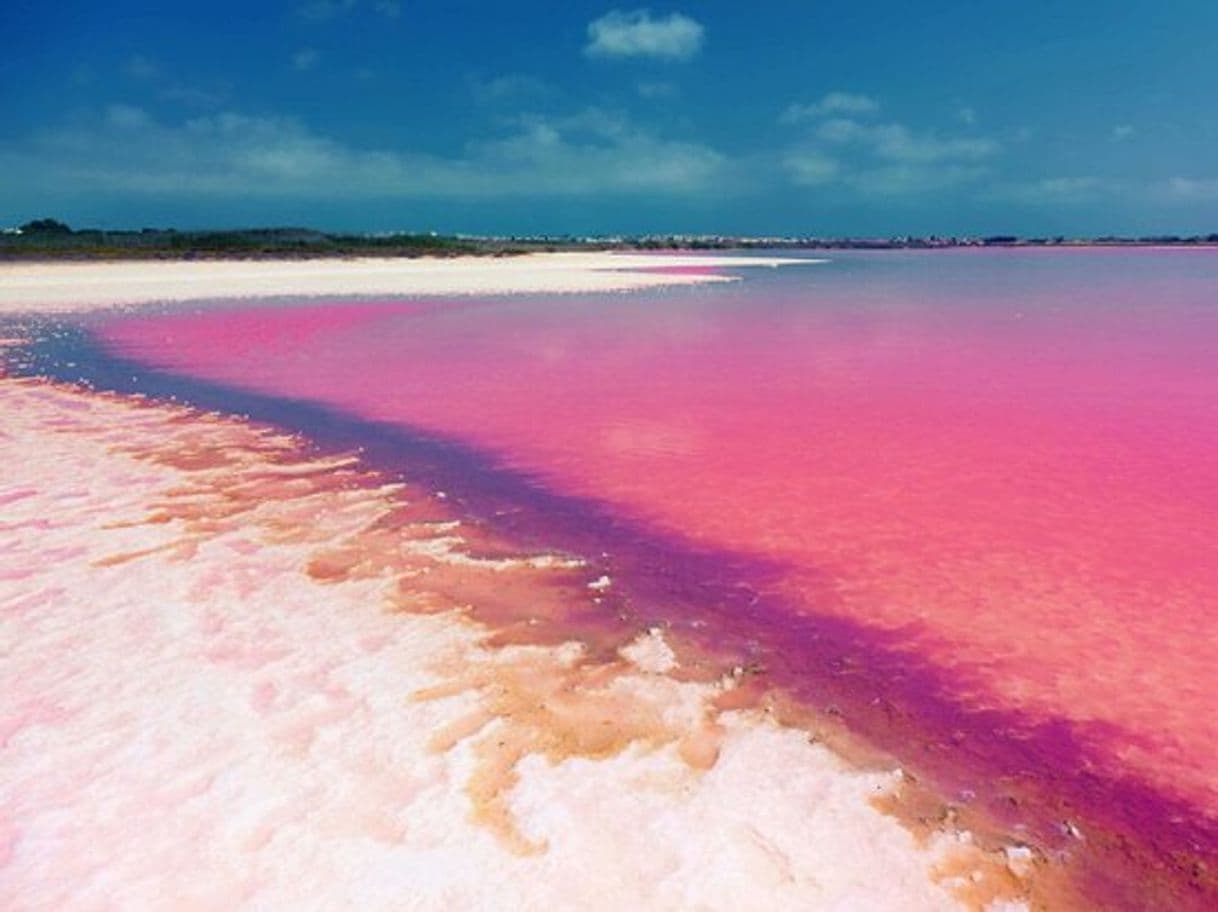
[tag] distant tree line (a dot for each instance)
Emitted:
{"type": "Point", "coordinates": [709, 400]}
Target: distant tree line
{"type": "Point", "coordinates": [51, 238]}
{"type": "Point", "coordinates": [48, 237]}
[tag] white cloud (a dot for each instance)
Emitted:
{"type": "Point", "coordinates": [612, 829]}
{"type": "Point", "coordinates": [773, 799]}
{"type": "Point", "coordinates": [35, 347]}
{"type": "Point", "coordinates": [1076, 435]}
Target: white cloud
{"type": "Point", "coordinates": [593, 151]}
{"type": "Point", "coordinates": [912, 178]}
{"type": "Point", "coordinates": [138, 66]}
{"type": "Point", "coordinates": [884, 159]}
{"type": "Point", "coordinates": [657, 91]}
{"type": "Point", "coordinates": [192, 96]}
{"type": "Point", "coordinates": [637, 34]}
{"type": "Point", "coordinates": [234, 155]}
{"type": "Point", "coordinates": [833, 103]}
{"type": "Point", "coordinates": [1122, 131]}
{"type": "Point", "coordinates": [324, 10]}
{"type": "Point", "coordinates": [1087, 188]}
{"type": "Point", "coordinates": [1192, 188]}
{"type": "Point", "coordinates": [160, 80]}
{"type": "Point", "coordinates": [1057, 187]}
{"type": "Point", "coordinates": [126, 116]}
{"type": "Point", "coordinates": [305, 59]}
{"type": "Point", "coordinates": [321, 10]}
{"type": "Point", "coordinates": [811, 168]}
{"type": "Point", "coordinates": [512, 86]}
{"type": "Point", "coordinates": [1059, 190]}
{"type": "Point", "coordinates": [898, 143]}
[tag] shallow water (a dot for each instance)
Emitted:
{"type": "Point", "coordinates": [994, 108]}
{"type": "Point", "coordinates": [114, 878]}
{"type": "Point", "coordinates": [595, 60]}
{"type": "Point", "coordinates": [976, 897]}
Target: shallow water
{"type": "Point", "coordinates": [977, 486]}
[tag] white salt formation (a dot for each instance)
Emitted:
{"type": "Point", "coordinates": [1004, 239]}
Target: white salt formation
{"type": "Point", "coordinates": [234, 676]}
{"type": "Point", "coordinates": [48, 287]}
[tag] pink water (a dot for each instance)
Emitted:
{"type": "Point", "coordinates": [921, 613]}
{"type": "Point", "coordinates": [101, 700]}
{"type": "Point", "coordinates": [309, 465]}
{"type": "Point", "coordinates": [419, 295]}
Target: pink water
{"type": "Point", "coordinates": [1005, 460]}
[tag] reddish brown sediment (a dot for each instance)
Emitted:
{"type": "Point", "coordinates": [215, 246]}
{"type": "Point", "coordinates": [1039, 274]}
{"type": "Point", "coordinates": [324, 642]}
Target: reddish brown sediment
{"type": "Point", "coordinates": [573, 711]}
{"type": "Point", "coordinates": [250, 696]}
{"type": "Point", "coordinates": [546, 601]}
{"type": "Point", "coordinates": [1037, 812]}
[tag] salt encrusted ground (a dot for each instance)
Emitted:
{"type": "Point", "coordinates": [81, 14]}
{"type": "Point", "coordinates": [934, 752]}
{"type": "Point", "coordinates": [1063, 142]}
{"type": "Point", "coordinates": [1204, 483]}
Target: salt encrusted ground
{"type": "Point", "coordinates": [194, 713]}
{"type": "Point", "coordinates": [240, 675]}
{"type": "Point", "coordinates": [47, 287]}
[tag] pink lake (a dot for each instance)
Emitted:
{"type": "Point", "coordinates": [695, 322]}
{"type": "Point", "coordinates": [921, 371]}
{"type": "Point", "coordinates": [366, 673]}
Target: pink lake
{"type": "Point", "coordinates": [1004, 463]}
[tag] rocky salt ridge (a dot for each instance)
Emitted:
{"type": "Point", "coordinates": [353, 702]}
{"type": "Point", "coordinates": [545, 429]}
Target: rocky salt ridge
{"type": "Point", "coordinates": [239, 675]}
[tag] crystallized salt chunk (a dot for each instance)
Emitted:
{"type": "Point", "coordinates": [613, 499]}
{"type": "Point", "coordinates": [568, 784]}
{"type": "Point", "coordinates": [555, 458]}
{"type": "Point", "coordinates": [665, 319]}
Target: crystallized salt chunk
{"type": "Point", "coordinates": [1019, 860]}
{"type": "Point", "coordinates": [648, 652]}
{"type": "Point", "coordinates": [600, 584]}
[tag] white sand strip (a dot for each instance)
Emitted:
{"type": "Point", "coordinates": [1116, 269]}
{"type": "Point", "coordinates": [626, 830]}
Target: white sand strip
{"type": "Point", "coordinates": [57, 286]}
{"type": "Point", "coordinates": [189, 719]}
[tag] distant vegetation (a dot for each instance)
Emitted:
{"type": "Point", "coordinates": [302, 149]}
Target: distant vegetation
{"type": "Point", "coordinates": [49, 238]}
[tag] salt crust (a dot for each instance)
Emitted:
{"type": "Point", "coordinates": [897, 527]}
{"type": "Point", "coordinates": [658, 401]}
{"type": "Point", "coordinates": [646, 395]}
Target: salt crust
{"type": "Point", "coordinates": [48, 287]}
{"type": "Point", "coordinates": [215, 729]}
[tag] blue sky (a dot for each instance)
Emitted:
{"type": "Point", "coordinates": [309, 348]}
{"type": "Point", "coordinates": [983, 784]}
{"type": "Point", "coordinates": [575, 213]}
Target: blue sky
{"type": "Point", "coordinates": [771, 117]}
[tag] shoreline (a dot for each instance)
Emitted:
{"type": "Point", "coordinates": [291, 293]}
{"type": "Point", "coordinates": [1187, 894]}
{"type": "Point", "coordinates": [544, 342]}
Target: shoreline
{"type": "Point", "coordinates": [165, 525]}
{"type": "Point", "coordinates": [912, 803]}
{"type": "Point", "coordinates": [57, 287]}
{"type": "Point", "coordinates": [859, 718]}
{"type": "Point", "coordinates": [266, 623]}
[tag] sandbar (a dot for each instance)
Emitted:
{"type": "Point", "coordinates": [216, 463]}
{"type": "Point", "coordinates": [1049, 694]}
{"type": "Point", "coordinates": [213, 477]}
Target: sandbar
{"type": "Point", "coordinates": [74, 286]}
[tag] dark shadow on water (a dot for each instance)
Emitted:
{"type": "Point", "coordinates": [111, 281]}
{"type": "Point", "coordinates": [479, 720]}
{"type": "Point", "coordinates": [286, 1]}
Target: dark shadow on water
{"type": "Point", "coordinates": [1043, 781]}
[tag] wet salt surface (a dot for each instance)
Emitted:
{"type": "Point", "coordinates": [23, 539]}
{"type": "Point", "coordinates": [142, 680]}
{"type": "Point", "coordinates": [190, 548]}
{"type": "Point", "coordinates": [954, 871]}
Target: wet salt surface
{"type": "Point", "coordinates": [239, 674]}
{"type": "Point", "coordinates": [964, 499]}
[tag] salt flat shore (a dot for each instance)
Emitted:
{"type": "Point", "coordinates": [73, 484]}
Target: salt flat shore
{"type": "Point", "coordinates": [46, 287]}
{"type": "Point", "coordinates": [239, 674]}
{"type": "Point", "coordinates": [197, 714]}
